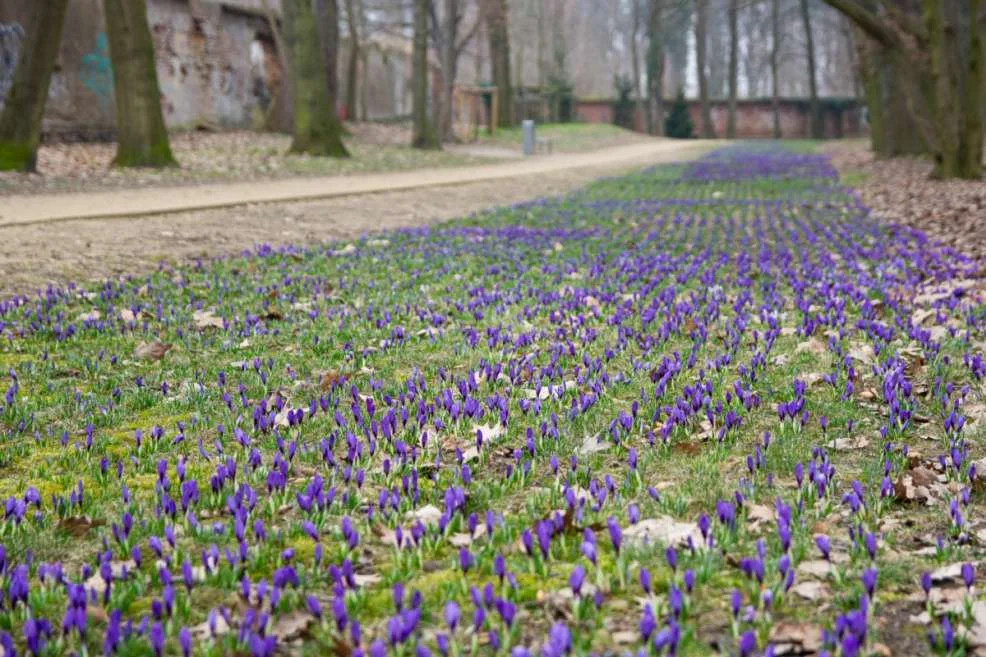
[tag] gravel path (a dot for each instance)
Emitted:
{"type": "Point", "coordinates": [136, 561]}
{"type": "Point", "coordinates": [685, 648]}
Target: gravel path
{"type": "Point", "coordinates": [34, 255]}
{"type": "Point", "coordinates": [35, 208]}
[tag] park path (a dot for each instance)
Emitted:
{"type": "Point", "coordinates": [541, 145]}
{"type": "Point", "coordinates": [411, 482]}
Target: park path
{"type": "Point", "coordinates": [44, 208]}
{"type": "Point", "coordinates": [36, 253]}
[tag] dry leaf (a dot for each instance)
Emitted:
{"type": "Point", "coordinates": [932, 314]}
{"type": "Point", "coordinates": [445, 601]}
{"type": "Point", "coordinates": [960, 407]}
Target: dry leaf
{"type": "Point", "coordinates": [207, 319]}
{"type": "Point", "coordinates": [593, 445]}
{"type": "Point", "coordinates": [662, 530]}
{"type": "Point", "coordinates": [292, 625]}
{"type": "Point", "coordinates": [79, 526]}
{"type": "Point", "coordinates": [151, 350]}
{"type": "Point", "coordinates": [795, 638]}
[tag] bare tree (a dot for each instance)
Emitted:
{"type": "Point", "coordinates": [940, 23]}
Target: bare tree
{"type": "Point", "coordinates": [316, 129]}
{"type": "Point", "coordinates": [141, 136]}
{"type": "Point", "coordinates": [817, 126]}
{"type": "Point", "coordinates": [20, 122]}
{"type": "Point", "coordinates": [633, 33]}
{"type": "Point", "coordinates": [936, 58]}
{"type": "Point", "coordinates": [701, 36]}
{"type": "Point", "coordinates": [354, 19]}
{"type": "Point", "coordinates": [655, 64]}
{"type": "Point", "coordinates": [775, 49]}
{"type": "Point", "coordinates": [425, 136]}
{"type": "Point", "coordinates": [451, 43]}
{"type": "Point", "coordinates": [733, 68]}
{"type": "Point", "coordinates": [496, 25]}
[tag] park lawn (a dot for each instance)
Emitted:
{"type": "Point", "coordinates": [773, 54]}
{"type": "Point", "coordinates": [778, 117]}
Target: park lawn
{"type": "Point", "coordinates": [568, 137]}
{"type": "Point", "coordinates": [707, 407]}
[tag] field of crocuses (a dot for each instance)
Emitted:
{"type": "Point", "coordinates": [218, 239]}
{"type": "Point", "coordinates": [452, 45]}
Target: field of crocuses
{"type": "Point", "coordinates": [709, 408]}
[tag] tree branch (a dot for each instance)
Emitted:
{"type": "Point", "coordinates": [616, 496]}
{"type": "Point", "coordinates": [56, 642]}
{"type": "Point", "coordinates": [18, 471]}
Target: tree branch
{"type": "Point", "coordinates": [868, 22]}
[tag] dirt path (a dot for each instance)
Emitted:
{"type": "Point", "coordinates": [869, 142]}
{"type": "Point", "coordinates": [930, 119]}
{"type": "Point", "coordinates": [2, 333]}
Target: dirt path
{"type": "Point", "coordinates": [33, 255]}
{"type": "Point", "coordinates": [39, 208]}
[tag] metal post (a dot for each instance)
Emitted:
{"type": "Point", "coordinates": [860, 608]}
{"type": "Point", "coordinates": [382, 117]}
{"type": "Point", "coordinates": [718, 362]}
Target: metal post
{"type": "Point", "coordinates": [527, 129]}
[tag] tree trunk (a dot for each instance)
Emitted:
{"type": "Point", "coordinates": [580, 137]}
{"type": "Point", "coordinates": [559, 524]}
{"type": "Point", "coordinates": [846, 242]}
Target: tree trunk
{"type": "Point", "coordinates": [775, 47]}
{"type": "Point", "coordinates": [141, 136]}
{"type": "Point", "coordinates": [280, 114]}
{"type": "Point", "coordinates": [327, 21]}
{"type": "Point", "coordinates": [449, 57]}
{"type": "Point", "coordinates": [317, 129]}
{"type": "Point", "coordinates": [20, 123]}
{"type": "Point", "coordinates": [817, 124]}
{"type": "Point", "coordinates": [496, 22]}
{"type": "Point", "coordinates": [643, 107]}
{"type": "Point", "coordinates": [701, 36]}
{"type": "Point", "coordinates": [425, 136]}
{"type": "Point", "coordinates": [655, 65]}
{"type": "Point", "coordinates": [353, 19]}
{"type": "Point", "coordinates": [936, 77]}
{"type": "Point", "coordinates": [733, 68]}
{"type": "Point", "coordinates": [972, 101]}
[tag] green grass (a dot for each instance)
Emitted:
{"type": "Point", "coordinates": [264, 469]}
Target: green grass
{"type": "Point", "coordinates": [488, 307]}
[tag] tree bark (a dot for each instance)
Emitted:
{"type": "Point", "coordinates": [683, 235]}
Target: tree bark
{"type": "Point", "coordinates": [973, 104]}
{"type": "Point", "coordinates": [499, 36]}
{"type": "Point", "coordinates": [424, 135]}
{"type": "Point", "coordinates": [327, 20]}
{"type": "Point", "coordinates": [775, 47]}
{"type": "Point", "coordinates": [354, 13]}
{"type": "Point", "coordinates": [655, 65]}
{"type": "Point", "coordinates": [280, 114]}
{"type": "Point", "coordinates": [642, 104]}
{"type": "Point", "coordinates": [20, 123]}
{"type": "Point", "coordinates": [817, 120]}
{"type": "Point", "coordinates": [317, 129]}
{"type": "Point", "coordinates": [141, 136]}
{"type": "Point", "coordinates": [733, 68]}
{"type": "Point", "coordinates": [701, 36]}
{"type": "Point", "coordinates": [935, 61]}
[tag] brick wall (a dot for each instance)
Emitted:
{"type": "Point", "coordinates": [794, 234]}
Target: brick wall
{"type": "Point", "coordinates": [754, 117]}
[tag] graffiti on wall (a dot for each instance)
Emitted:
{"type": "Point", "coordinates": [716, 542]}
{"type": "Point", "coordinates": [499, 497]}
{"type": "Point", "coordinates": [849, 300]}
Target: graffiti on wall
{"type": "Point", "coordinates": [97, 70]}
{"type": "Point", "coordinates": [11, 37]}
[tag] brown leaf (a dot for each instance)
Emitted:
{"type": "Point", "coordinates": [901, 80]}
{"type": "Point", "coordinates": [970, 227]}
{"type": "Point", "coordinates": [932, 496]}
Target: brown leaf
{"type": "Point", "coordinates": [292, 625]}
{"type": "Point", "coordinates": [79, 526]}
{"type": "Point", "coordinates": [795, 638]}
{"type": "Point", "coordinates": [152, 351]}
{"type": "Point", "coordinates": [97, 614]}
{"type": "Point", "coordinates": [207, 319]}
{"type": "Point", "coordinates": [327, 380]}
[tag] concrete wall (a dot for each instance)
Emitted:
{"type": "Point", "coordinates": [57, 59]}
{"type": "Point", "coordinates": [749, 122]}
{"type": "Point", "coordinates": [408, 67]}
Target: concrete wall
{"type": "Point", "coordinates": [754, 117]}
{"type": "Point", "coordinates": [216, 64]}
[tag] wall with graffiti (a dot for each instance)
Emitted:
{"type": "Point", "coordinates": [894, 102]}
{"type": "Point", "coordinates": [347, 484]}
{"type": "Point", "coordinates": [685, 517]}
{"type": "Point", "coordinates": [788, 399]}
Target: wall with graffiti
{"type": "Point", "coordinates": [207, 64]}
{"type": "Point", "coordinates": [11, 38]}
{"type": "Point", "coordinates": [216, 65]}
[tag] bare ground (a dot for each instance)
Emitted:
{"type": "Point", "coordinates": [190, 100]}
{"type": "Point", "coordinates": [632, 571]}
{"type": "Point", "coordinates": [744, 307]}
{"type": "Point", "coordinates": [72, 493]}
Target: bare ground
{"type": "Point", "coordinates": [31, 256]}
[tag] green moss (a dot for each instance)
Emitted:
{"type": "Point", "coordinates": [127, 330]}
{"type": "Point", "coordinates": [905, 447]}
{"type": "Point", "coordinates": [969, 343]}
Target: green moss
{"type": "Point", "coordinates": [156, 156]}
{"type": "Point", "coordinates": [17, 156]}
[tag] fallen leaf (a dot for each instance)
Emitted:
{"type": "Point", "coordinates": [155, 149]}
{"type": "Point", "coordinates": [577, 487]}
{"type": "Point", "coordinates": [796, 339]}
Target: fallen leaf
{"type": "Point", "coordinates": [818, 568]}
{"type": "Point", "coordinates": [292, 625]}
{"type": "Point", "coordinates": [152, 351]}
{"type": "Point", "coordinates": [846, 444]}
{"type": "Point", "coordinates": [79, 526]}
{"type": "Point", "coordinates": [662, 530]}
{"type": "Point", "coordinates": [809, 590]}
{"type": "Point", "coordinates": [795, 638]}
{"type": "Point", "coordinates": [428, 514]}
{"type": "Point", "coordinates": [207, 319]}
{"type": "Point", "coordinates": [593, 445]}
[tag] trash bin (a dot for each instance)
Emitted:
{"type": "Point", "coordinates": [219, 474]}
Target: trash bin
{"type": "Point", "coordinates": [527, 129]}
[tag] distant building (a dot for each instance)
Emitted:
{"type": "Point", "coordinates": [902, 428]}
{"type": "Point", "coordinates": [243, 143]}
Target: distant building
{"type": "Point", "coordinates": [217, 66]}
